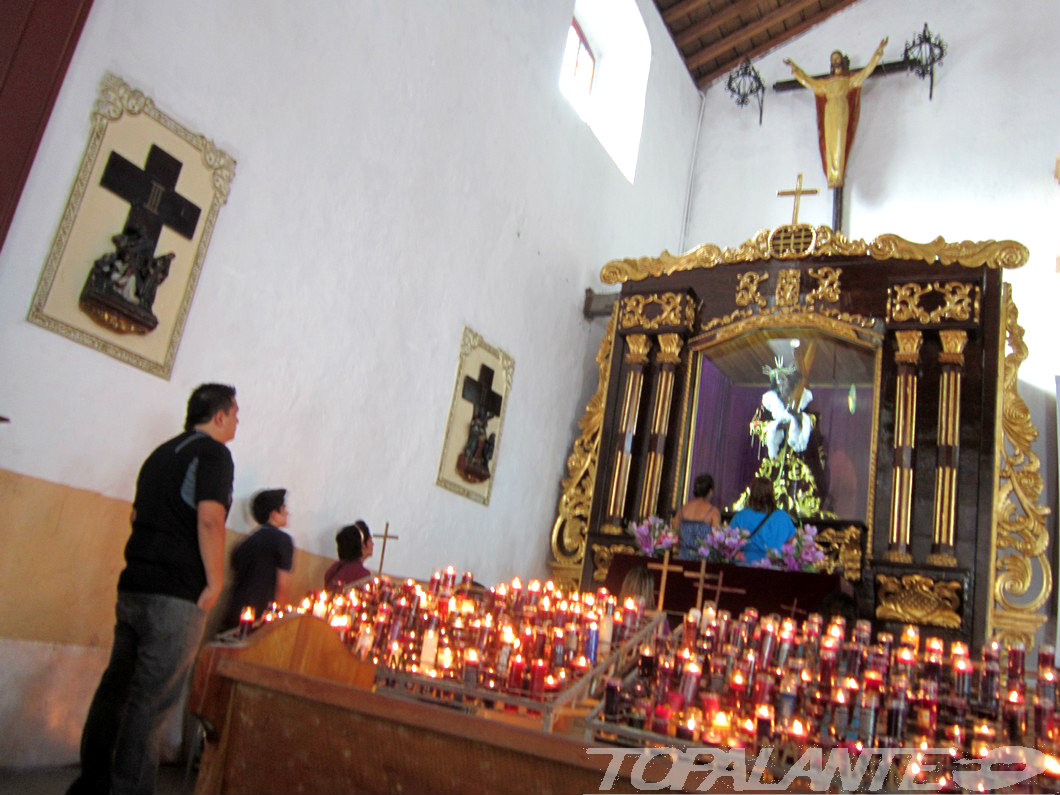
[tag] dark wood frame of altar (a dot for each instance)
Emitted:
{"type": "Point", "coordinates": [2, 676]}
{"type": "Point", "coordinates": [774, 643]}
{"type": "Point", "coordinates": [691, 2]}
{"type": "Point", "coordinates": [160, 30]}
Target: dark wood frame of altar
{"type": "Point", "coordinates": [952, 535]}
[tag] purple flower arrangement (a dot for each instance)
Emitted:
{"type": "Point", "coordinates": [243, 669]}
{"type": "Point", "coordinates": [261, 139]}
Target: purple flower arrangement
{"type": "Point", "coordinates": [654, 535]}
{"type": "Point", "coordinates": [724, 545]}
{"type": "Point", "coordinates": [800, 553]}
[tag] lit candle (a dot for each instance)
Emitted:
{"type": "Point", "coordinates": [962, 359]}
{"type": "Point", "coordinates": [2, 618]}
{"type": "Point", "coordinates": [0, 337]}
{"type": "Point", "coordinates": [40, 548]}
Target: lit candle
{"type": "Point", "coordinates": [581, 665]}
{"type": "Point", "coordinates": [471, 667]}
{"type": "Point", "coordinates": [559, 652]}
{"type": "Point", "coordinates": [686, 730]}
{"type": "Point", "coordinates": [763, 722]}
{"type": "Point", "coordinates": [537, 678]}
{"type": "Point", "coordinates": [320, 606]}
{"type": "Point", "coordinates": [246, 621]}
{"type": "Point", "coordinates": [429, 649]}
{"type": "Point", "coordinates": [515, 673]}
{"type": "Point", "coordinates": [592, 641]}
{"type": "Point", "coordinates": [342, 623]}
{"type": "Point", "coordinates": [1015, 714]}
{"type": "Point", "coordinates": [690, 682]}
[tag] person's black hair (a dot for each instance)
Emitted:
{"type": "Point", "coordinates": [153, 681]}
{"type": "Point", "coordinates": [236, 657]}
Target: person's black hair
{"type": "Point", "coordinates": [703, 485]}
{"type": "Point", "coordinates": [206, 401]}
{"type": "Point", "coordinates": [761, 498]}
{"type": "Point", "coordinates": [351, 539]}
{"type": "Point", "coordinates": [265, 502]}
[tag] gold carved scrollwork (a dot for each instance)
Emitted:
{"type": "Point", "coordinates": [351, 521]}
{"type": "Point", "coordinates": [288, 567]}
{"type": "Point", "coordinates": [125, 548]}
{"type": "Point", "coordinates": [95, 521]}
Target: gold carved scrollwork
{"type": "Point", "coordinates": [638, 345]}
{"type": "Point", "coordinates": [576, 498]}
{"type": "Point", "coordinates": [786, 299]}
{"type": "Point", "coordinates": [916, 599]}
{"type": "Point", "coordinates": [670, 348]}
{"type": "Point", "coordinates": [674, 309]}
{"type": "Point", "coordinates": [603, 555]}
{"type": "Point", "coordinates": [842, 547]}
{"type": "Point", "coordinates": [825, 242]}
{"type": "Point", "coordinates": [908, 346]}
{"type": "Point", "coordinates": [960, 301]}
{"type": "Point", "coordinates": [969, 253]}
{"type": "Point", "coordinates": [787, 292]}
{"type": "Point", "coordinates": [827, 288]}
{"type": "Point", "coordinates": [1022, 581]}
{"type": "Point", "coordinates": [747, 289]}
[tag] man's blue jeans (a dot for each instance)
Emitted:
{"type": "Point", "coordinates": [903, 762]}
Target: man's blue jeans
{"type": "Point", "coordinates": [155, 641]}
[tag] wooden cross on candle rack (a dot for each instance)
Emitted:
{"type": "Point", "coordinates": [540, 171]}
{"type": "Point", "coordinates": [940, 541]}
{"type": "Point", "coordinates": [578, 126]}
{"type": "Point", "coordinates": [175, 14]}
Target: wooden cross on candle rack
{"type": "Point", "coordinates": [665, 568]}
{"type": "Point", "coordinates": [382, 554]}
{"type": "Point", "coordinates": [719, 588]}
{"type": "Point", "coordinates": [794, 608]}
{"type": "Point", "coordinates": [797, 193]}
{"type": "Point", "coordinates": [701, 578]}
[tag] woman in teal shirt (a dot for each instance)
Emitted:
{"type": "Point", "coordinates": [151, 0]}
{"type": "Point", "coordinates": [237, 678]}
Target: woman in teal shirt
{"type": "Point", "coordinates": [768, 527]}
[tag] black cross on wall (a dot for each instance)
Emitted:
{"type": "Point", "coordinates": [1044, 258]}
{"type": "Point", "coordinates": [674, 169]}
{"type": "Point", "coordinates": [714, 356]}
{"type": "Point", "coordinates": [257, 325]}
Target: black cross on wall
{"type": "Point", "coordinates": [480, 393]}
{"type": "Point", "coordinates": [151, 193]}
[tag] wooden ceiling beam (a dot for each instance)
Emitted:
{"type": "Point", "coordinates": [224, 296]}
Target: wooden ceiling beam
{"type": "Point", "coordinates": [772, 44]}
{"type": "Point", "coordinates": [714, 22]}
{"type": "Point", "coordinates": [695, 60]}
{"type": "Point", "coordinates": [678, 10]}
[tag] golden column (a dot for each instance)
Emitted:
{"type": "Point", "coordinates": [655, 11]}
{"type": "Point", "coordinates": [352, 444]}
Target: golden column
{"type": "Point", "coordinates": [951, 360]}
{"type": "Point", "coordinates": [667, 359]}
{"type": "Point", "coordinates": [637, 347]}
{"type": "Point", "coordinates": [906, 357]}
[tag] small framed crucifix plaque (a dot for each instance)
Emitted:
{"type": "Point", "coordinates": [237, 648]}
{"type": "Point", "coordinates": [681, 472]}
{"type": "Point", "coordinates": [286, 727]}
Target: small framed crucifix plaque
{"type": "Point", "coordinates": [133, 237]}
{"type": "Point", "coordinates": [473, 432]}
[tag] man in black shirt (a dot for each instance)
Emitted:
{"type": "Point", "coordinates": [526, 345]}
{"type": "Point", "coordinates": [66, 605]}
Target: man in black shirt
{"type": "Point", "coordinates": [261, 564]}
{"type": "Point", "coordinates": [173, 575]}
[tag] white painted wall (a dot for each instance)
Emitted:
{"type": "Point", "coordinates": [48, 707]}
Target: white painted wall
{"type": "Point", "coordinates": [975, 163]}
{"type": "Point", "coordinates": [404, 169]}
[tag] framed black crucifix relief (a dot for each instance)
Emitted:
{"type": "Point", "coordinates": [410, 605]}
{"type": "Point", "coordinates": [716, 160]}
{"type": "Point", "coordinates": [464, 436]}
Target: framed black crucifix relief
{"type": "Point", "coordinates": [473, 433]}
{"type": "Point", "coordinates": [132, 240]}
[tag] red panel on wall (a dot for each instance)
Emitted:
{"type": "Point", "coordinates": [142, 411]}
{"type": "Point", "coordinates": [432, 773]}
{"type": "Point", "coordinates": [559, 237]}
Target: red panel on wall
{"type": "Point", "coordinates": [37, 40]}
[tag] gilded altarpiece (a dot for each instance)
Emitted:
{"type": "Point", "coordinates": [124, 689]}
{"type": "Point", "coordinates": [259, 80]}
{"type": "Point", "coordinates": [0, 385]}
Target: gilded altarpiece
{"type": "Point", "coordinates": [935, 515]}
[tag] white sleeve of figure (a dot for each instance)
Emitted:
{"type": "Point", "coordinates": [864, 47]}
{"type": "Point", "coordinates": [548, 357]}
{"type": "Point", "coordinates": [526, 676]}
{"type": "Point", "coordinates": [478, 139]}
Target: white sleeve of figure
{"type": "Point", "coordinates": [772, 403]}
{"type": "Point", "coordinates": [802, 438]}
{"type": "Point", "coordinates": [774, 435]}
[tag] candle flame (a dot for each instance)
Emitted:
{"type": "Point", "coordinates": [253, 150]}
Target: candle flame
{"type": "Point", "coordinates": [797, 728]}
{"type": "Point", "coordinates": [517, 584]}
{"type": "Point", "coordinates": [247, 614]}
{"type": "Point", "coordinates": [471, 656]}
{"type": "Point", "coordinates": [1052, 766]}
{"type": "Point", "coordinates": [749, 726]}
{"type": "Point", "coordinates": [630, 604]}
{"type": "Point", "coordinates": [721, 720]}
{"type": "Point", "coordinates": [1013, 697]}
{"type": "Point", "coordinates": [691, 723]}
{"type": "Point", "coordinates": [762, 711]}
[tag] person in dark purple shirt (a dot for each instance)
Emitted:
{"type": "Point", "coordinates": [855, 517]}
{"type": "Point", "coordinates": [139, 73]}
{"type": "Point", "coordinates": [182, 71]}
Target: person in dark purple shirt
{"type": "Point", "coordinates": [354, 544]}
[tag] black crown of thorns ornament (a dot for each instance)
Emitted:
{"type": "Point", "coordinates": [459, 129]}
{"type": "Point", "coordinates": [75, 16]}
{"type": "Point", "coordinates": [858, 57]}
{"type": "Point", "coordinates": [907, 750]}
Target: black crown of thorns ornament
{"type": "Point", "coordinates": [744, 83]}
{"type": "Point", "coordinates": [923, 54]}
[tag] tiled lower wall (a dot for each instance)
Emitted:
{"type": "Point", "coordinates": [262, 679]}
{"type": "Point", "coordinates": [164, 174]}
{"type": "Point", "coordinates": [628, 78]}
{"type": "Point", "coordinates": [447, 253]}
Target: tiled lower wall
{"type": "Point", "coordinates": [61, 555]}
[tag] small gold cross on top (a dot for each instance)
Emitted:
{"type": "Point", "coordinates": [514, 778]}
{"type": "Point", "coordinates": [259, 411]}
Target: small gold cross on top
{"type": "Point", "coordinates": [797, 193]}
